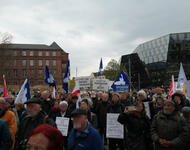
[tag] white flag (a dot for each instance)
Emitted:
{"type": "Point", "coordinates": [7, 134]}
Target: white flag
{"type": "Point", "coordinates": [24, 93]}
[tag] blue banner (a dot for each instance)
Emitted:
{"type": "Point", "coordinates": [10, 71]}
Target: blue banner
{"type": "Point", "coordinates": [121, 83]}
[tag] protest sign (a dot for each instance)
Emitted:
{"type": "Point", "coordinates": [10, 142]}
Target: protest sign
{"type": "Point", "coordinates": [100, 84]}
{"type": "Point", "coordinates": [114, 129]}
{"type": "Point", "coordinates": [147, 108]}
{"type": "Point", "coordinates": [62, 125]}
{"type": "Point", "coordinates": [84, 82]}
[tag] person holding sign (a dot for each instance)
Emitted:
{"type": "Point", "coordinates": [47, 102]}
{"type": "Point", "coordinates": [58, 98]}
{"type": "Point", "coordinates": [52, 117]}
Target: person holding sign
{"type": "Point", "coordinates": [115, 107]}
{"type": "Point", "coordinates": [137, 125]}
{"type": "Point", "coordinates": [83, 135]}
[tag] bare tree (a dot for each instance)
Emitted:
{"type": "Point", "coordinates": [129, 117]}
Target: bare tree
{"type": "Point", "coordinates": [6, 56]}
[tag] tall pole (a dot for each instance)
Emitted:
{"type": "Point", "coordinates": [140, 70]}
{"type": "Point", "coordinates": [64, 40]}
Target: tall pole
{"type": "Point", "coordinates": [76, 72]}
{"type": "Point", "coordinates": [130, 72]}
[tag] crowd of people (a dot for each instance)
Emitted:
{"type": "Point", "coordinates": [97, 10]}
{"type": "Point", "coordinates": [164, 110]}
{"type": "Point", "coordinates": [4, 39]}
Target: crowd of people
{"type": "Point", "coordinates": [32, 125]}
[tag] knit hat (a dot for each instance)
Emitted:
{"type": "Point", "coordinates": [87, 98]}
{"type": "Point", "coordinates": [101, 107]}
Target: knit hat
{"type": "Point", "coordinates": [117, 94]}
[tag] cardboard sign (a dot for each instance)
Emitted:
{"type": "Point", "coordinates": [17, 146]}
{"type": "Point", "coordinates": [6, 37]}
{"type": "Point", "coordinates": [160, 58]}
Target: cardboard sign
{"type": "Point", "coordinates": [113, 128]}
{"type": "Point", "coordinates": [100, 84]}
{"type": "Point", "coordinates": [62, 125]}
{"type": "Point", "coordinates": [84, 82]}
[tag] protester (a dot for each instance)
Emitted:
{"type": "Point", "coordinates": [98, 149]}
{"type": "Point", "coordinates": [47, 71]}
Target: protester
{"type": "Point", "coordinates": [169, 129]}
{"type": "Point", "coordinates": [126, 100]}
{"type": "Point", "coordinates": [21, 111]}
{"type": "Point", "coordinates": [83, 135]}
{"type": "Point", "coordinates": [55, 111]}
{"type": "Point", "coordinates": [9, 117]}
{"type": "Point", "coordinates": [180, 100]}
{"type": "Point", "coordinates": [45, 137]}
{"type": "Point", "coordinates": [63, 106]}
{"type": "Point", "coordinates": [47, 102]}
{"type": "Point", "coordinates": [115, 107]}
{"type": "Point", "coordinates": [159, 104]}
{"type": "Point", "coordinates": [101, 109]}
{"type": "Point", "coordinates": [92, 118]}
{"type": "Point", "coordinates": [142, 96]}
{"type": "Point", "coordinates": [137, 125]}
{"type": "Point", "coordinates": [36, 116]}
{"type": "Point", "coordinates": [186, 115]}
{"type": "Point", "coordinates": [5, 136]}
{"type": "Point", "coordinates": [72, 105]}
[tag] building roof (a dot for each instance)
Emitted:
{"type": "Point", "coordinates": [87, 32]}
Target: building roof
{"type": "Point", "coordinates": [53, 46]}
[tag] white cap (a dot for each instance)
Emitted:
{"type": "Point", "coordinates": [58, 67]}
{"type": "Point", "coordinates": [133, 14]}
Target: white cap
{"type": "Point", "coordinates": [63, 102]}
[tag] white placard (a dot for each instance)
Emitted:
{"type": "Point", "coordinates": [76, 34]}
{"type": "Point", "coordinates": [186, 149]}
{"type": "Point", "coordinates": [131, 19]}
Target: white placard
{"type": "Point", "coordinates": [100, 84]}
{"type": "Point", "coordinates": [84, 82]}
{"type": "Point", "coordinates": [62, 125]}
{"type": "Point", "coordinates": [113, 128]}
{"type": "Point", "coordinates": [147, 108]}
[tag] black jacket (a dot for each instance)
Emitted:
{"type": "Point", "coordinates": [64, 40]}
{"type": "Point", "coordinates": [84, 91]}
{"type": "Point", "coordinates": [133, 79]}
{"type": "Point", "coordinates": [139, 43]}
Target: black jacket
{"type": "Point", "coordinates": [47, 105]}
{"type": "Point", "coordinates": [101, 109]}
{"type": "Point", "coordinates": [137, 133]}
{"type": "Point", "coordinates": [27, 125]}
{"type": "Point", "coordinates": [115, 108]}
{"type": "Point", "coordinates": [70, 109]}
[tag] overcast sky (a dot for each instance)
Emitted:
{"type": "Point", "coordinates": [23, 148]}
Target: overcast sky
{"type": "Point", "coordinates": [91, 29]}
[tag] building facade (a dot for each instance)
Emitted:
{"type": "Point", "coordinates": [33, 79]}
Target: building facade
{"type": "Point", "coordinates": [29, 60]}
{"type": "Point", "coordinates": [160, 59]}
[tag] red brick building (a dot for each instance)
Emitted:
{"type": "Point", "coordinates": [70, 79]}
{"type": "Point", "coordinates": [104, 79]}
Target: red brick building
{"type": "Point", "coordinates": [29, 60]}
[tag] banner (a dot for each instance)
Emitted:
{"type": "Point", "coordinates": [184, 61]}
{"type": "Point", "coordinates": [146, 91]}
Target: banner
{"type": "Point", "coordinates": [84, 82]}
{"type": "Point", "coordinates": [100, 84]}
{"type": "Point", "coordinates": [113, 128]}
{"type": "Point", "coordinates": [121, 83]}
{"type": "Point", "coordinates": [62, 125]}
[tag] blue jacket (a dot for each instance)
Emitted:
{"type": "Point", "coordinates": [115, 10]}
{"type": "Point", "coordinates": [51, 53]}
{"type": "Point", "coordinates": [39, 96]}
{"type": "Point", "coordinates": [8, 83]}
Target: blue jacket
{"type": "Point", "coordinates": [89, 139]}
{"type": "Point", "coordinates": [5, 136]}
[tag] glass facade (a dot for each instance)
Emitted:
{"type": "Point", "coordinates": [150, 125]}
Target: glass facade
{"type": "Point", "coordinates": [161, 59]}
{"type": "Point", "coordinates": [153, 51]}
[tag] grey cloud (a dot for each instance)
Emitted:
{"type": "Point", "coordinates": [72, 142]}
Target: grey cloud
{"type": "Point", "coordinates": [91, 29]}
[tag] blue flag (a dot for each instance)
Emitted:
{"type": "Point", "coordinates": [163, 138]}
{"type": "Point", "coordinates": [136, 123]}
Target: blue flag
{"type": "Point", "coordinates": [121, 83]}
{"type": "Point", "coordinates": [100, 68]}
{"type": "Point", "coordinates": [24, 93]}
{"type": "Point", "coordinates": [49, 78]}
{"type": "Point", "coordinates": [66, 78]}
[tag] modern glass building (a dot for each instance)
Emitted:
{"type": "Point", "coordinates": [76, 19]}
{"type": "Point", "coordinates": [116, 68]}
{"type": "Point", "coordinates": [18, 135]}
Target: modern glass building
{"type": "Point", "coordinates": [161, 59]}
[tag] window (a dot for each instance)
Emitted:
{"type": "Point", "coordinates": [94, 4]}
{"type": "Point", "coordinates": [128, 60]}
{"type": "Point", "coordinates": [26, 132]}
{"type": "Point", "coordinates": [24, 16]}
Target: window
{"type": "Point", "coordinates": [54, 62]}
{"type": "Point", "coordinates": [63, 74]}
{"type": "Point", "coordinates": [31, 73]}
{"type": "Point", "coordinates": [63, 65]}
{"type": "Point", "coordinates": [40, 72]}
{"type": "Point", "coordinates": [31, 62]}
{"type": "Point", "coordinates": [15, 73]}
{"type": "Point", "coordinates": [54, 73]}
{"type": "Point", "coordinates": [8, 73]}
{"type": "Point", "coordinates": [15, 53]}
{"type": "Point", "coordinates": [14, 63]}
{"type": "Point", "coordinates": [40, 53]}
{"type": "Point", "coordinates": [23, 53]}
{"type": "Point", "coordinates": [23, 62]}
{"type": "Point", "coordinates": [24, 73]}
{"type": "Point", "coordinates": [47, 62]}
{"type": "Point", "coordinates": [54, 53]}
{"type": "Point", "coordinates": [31, 53]}
{"type": "Point", "coordinates": [47, 53]}
{"type": "Point", "coordinates": [40, 62]}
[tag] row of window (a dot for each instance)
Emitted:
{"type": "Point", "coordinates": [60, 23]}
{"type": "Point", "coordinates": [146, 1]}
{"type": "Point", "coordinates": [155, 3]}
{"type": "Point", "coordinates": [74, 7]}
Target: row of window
{"type": "Point", "coordinates": [47, 53]}
{"type": "Point", "coordinates": [40, 62]}
{"type": "Point", "coordinates": [30, 73]}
